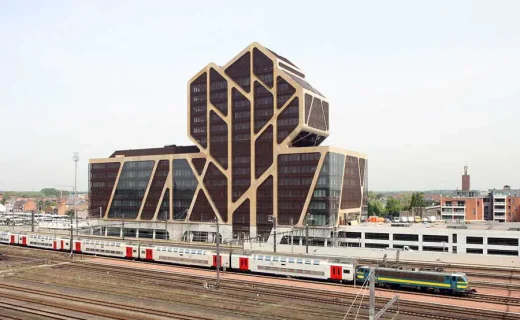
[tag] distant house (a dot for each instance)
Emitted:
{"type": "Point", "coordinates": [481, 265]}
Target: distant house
{"type": "Point", "coordinates": [30, 206]}
{"type": "Point", "coordinates": [3, 209]}
{"type": "Point", "coordinates": [68, 205]}
{"type": "Point", "coordinates": [19, 205]}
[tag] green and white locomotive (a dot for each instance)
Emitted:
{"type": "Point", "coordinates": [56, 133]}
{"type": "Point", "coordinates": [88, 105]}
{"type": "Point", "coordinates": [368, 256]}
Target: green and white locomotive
{"type": "Point", "coordinates": [439, 282]}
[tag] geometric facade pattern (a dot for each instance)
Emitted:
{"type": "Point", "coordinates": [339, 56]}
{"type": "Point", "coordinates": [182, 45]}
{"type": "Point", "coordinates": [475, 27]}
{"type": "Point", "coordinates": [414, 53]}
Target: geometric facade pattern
{"type": "Point", "coordinates": [257, 125]}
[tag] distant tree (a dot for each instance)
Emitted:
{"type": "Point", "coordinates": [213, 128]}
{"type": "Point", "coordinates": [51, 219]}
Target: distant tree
{"type": "Point", "coordinates": [70, 213]}
{"type": "Point", "coordinates": [393, 206]}
{"type": "Point", "coordinates": [375, 208]}
{"type": "Point", "coordinates": [417, 201]}
{"type": "Point", "coordinates": [51, 192]}
{"type": "Point", "coordinates": [3, 200]}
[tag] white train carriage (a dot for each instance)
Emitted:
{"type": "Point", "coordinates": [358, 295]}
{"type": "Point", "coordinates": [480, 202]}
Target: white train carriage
{"type": "Point", "coordinates": [121, 249]}
{"type": "Point", "coordinates": [314, 267]}
{"type": "Point", "coordinates": [5, 237]}
{"type": "Point", "coordinates": [63, 243]}
{"type": "Point", "coordinates": [183, 255]}
{"type": "Point", "coordinates": [39, 241]}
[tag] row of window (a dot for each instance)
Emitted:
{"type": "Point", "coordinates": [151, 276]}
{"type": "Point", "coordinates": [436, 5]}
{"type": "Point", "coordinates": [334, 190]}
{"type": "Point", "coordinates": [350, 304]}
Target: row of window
{"type": "Point", "coordinates": [110, 165]}
{"type": "Point", "coordinates": [32, 236]}
{"type": "Point", "coordinates": [103, 243]}
{"type": "Point", "coordinates": [296, 271]}
{"type": "Point", "coordinates": [286, 260]}
{"type": "Point", "coordinates": [180, 250]}
{"type": "Point", "coordinates": [299, 157]}
{"type": "Point", "coordinates": [40, 244]}
{"type": "Point", "coordinates": [89, 249]}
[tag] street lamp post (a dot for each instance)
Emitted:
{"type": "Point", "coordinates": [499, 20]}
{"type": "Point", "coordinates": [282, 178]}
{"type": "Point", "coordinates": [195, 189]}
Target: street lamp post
{"type": "Point", "coordinates": [75, 157]}
{"type": "Point", "coordinates": [272, 219]}
{"type": "Point", "coordinates": [217, 262]}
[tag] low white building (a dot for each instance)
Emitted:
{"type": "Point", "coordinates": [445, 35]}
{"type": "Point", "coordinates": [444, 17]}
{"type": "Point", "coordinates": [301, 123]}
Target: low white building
{"type": "Point", "coordinates": [2, 209]}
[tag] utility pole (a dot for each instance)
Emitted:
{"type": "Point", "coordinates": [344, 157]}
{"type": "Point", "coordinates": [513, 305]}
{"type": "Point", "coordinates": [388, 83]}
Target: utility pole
{"type": "Point", "coordinates": [292, 230]}
{"type": "Point", "coordinates": [32, 221]}
{"type": "Point", "coordinates": [218, 253]}
{"type": "Point", "coordinates": [123, 226]}
{"type": "Point", "coordinates": [165, 225]}
{"type": "Point", "coordinates": [306, 237]}
{"type": "Point", "coordinates": [372, 309]}
{"type": "Point", "coordinates": [272, 219]}
{"type": "Point", "coordinates": [71, 238]}
{"type": "Point", "coordinates": [75, 157]}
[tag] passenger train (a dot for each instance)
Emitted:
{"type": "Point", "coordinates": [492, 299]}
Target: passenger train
{"type": "Point", "coordinates": [278, 264]}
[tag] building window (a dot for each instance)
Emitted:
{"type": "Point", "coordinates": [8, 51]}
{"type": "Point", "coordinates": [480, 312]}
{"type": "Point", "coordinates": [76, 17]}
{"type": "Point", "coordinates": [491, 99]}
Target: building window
{"type": "Point", "coordinates": [474, 240]}
{"type": "Point", "coordinates": [406, 237]}
{"type": "Point", "coordinates": [435, 238]}
{"type": "Point", "coordinates": [503, 241]}
{"type": "Point", "coordinates": [438, 249]}
{"type": "Point", "coordinates": [349, 235]}
{"type": "Point", "coordinates": [454, 238]}
{"type": "Point", "coordinates": [376, 236]}
{"type": "Point", "coordinates": [474, 251]}
{"type": "Point", "coordinates": [503, 252]}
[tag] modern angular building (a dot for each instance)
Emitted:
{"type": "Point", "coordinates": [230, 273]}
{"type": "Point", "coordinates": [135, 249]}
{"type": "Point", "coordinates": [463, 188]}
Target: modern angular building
{"type": "Point", "coordinates": [257, 125]}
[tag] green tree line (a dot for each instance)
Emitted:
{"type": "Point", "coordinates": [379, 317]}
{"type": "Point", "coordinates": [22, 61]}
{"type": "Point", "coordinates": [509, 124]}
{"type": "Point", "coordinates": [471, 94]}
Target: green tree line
{"type": "Point", "coordinates": [393, 206]}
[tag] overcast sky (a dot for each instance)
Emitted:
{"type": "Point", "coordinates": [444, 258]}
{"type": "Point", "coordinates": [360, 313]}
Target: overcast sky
{"type": "Point", "coordinates": [421, 87]}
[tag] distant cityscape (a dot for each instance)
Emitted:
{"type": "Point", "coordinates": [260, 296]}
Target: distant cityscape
{"type": "Point", "coordinates": [466, 204]}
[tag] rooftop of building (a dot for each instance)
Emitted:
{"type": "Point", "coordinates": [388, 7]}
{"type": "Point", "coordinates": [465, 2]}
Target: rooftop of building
{"type": "Point", "coordinates": [474, 225]}
{"type": "Point", "coordinates": [170, 149]}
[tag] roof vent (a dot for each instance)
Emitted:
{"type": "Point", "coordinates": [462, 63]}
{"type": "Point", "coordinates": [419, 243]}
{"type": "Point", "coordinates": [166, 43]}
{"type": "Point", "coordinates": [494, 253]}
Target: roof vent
{"type": "Point", "coordinates": [458, 227]}
{"type": "Point", "coordinates": [400, 224]}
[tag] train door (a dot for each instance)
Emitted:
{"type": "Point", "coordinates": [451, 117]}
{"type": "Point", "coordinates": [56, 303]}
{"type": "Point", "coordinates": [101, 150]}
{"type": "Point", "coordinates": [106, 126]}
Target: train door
{"type": "Point", "coordinates": [336, 272]}
{"type": "Point", "coordinates": [62, 245]}
{"type": "Point", "coordinates": [129, 252]}
{"type": "Point", "coordinates": [243, 263]}
{"type": "Point", "coordinates": [12, 239]}
{"type": "Point", "coordinates": [54, 245]}
{"type": "Point", "coordinates": [24, 240]}
{"type": "Point", "coordinates": [149, 254]}
{"type": "Point", "coordinates": [453, 283]}
{"type": "Point", "coordinates": [77, 246]}
{"type": "Point", "coordinates": [215, 261]}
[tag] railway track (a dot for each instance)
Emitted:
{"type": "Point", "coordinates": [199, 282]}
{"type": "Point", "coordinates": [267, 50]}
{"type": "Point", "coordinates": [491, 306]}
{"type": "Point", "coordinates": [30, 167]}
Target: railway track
{"type": "Point", "coordinates": [70, 303]}
{"type": "Point", "coordinates": [181, 277]}
{"type": "Point", "coordinates": [310, 295]}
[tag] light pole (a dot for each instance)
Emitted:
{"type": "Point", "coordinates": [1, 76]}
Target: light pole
{"type": "Point", "coordinates": [307, 218]}
{"type": "Point", "coordinates": [272, 219]}
{"type": "Point", "coordinates": [165, 225]}
{"type": "Point", "coordinates": [217, 262]}
{"type": "Point", "coordinates": [75, 157]}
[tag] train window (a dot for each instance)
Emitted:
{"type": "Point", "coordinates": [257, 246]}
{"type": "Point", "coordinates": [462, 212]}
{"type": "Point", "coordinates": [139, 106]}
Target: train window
{"type": "Point", "coordinates": [113, 244]}
{"type": "Point", "coordinates": [118, 244]}
{"type": "Point", "coordinates": [316, 262]}
{"type": "Point", "coordinates": [283, 259]}
{"type": "Point", "coordinates": [267, 258]}
{"type": "Point", "coordinates": [194, 251]}
{"type": "Point", "coordinates": [276, 258]}
{"type": "Point", "coordinates": [291, 260]}
{"type": "Point", "coordinates": [170, 249]}
{"type": "Point", "coordinates": [199, 252]}
{"type": "Point", "coordinates": [186, 250]}
{"type": "Point", "coordinates": [454, 278]}
{"type": "Point", "coordinates": [98, 242]}
{"type": "Point", "coordinates": [346, 271]}
{"type": "Point", "coordinates": [175, 250]}
{"type": "Point", "coordinates": [260, 257]}
{"type": "Point", "coordinates": [307, 261]}
{"type": "Point", "coordinates": [299, 261]}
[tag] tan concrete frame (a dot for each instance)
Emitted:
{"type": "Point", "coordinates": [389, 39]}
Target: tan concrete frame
{"type": "Point", "coordinates": [282, 148]}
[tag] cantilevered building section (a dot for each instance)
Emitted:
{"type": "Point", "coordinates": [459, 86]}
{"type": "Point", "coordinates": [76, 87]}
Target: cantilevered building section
{"type": "Point", "coordinates": [257, 126]}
